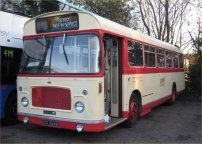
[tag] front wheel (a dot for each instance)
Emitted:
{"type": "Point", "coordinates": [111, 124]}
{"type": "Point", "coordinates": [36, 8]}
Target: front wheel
{"type": "Point", "coordinates": [133, 111]}
{"type": "Point", "coordinates": [10, 115]}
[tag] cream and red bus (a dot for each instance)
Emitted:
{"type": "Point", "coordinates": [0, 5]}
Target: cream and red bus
{"type": "Point", "coordinates": [86, 73]}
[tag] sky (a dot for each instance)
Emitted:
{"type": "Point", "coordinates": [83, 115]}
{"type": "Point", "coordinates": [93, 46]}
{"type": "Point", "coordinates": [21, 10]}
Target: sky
{"type": "Point", "coordinates": [191, 25]}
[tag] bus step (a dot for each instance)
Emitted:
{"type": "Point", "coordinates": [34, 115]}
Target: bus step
{"type": "Point", "coordinates": [113, 122]}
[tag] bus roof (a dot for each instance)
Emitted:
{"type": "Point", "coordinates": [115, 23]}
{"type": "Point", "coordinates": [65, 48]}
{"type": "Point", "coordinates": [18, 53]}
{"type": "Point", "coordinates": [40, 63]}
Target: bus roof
{"type": "Point", "coordinates": [11, 29]}
{"type": "Point", "coordinates": [88, 21]}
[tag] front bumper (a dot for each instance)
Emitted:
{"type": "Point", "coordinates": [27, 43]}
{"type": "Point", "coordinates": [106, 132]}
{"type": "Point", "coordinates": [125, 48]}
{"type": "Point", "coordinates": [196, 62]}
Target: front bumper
{"type": "Point", "coordinates": [88, 125]}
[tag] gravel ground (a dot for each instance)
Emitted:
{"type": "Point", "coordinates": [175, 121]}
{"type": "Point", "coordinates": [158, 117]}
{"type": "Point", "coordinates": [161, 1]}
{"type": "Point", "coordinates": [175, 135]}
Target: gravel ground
{"type": "Point", "coordinates": [179, 123]}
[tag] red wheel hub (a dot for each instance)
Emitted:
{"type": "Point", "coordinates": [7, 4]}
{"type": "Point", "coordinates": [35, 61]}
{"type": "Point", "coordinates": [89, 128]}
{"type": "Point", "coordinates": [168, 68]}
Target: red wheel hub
{"type": "Point", "coordinates": [174, 96]}
{"type": "Point", "coordinates": [133, 112]}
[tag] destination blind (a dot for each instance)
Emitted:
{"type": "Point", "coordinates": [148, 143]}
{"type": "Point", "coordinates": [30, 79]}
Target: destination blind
{"type": "Point", "coordinates": [57, 23]}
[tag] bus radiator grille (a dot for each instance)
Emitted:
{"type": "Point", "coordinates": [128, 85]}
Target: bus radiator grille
{"type": "Point", "coordinates": [51, 97]}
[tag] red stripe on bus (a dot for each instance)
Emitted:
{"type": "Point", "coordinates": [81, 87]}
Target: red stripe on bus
{"type": "Point", "coordinates": [181, 93]}
{"type": "Point", "coordinates": [147, 108]}
{"type": "Point", "coordinates": [124, 71]}
{"type": "Point", "coordinates": [64, 75]}
{"type": "Point", "coordinates": [95, 31]}
{"type": "Point", "coordinates": [65, 125]}
{"type": "Point", "coordinates": [125, 114]}
{"type": "Point", "coordinates": [150, 70]}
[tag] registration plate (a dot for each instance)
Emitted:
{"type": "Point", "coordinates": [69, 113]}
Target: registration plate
{"type": "Point", "coordinates": [50, 123]}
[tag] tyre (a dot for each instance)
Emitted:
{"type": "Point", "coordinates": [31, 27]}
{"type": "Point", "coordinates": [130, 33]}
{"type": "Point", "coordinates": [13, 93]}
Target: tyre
{"type": "Point", "coordinates": [174, 96]}
{"type": "Point", "coordinates": [133, 111]}
{"type": "Point", "coordinates": [10, 111]}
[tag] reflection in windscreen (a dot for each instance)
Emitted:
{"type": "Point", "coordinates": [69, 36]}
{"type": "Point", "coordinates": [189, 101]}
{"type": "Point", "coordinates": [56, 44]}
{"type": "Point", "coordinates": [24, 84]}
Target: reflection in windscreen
{"type": "Point", "coordinates": [69, 54]}
{"type": "Point", "coordinates": [35, 48]}
{"type": "Point", "coordinates": [82, 55]}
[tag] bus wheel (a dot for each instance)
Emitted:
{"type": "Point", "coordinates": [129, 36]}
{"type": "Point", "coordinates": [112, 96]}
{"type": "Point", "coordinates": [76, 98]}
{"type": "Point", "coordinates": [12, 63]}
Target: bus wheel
{"type": "Point", "coordinates": [10, 115]}
{"type": "Point", "coordinates": [174, 95]}
{"type": "Point", "coordinates": [133, 111]}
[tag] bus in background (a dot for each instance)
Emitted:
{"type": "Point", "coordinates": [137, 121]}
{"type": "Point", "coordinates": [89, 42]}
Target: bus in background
{"type": "Point", "coordinates": [11, 32]}
{"type": "Point", "coordinates": [86, 73]}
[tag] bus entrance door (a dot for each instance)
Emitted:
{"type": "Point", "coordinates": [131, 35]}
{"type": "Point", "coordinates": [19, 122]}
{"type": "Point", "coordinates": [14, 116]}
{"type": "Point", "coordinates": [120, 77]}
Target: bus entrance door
{"type": "Point", "coordinates": [112, 103]}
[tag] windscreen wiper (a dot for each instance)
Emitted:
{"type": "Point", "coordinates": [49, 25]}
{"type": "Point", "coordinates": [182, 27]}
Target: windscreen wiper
{"type": "Point", "coordinates": [64, 51]}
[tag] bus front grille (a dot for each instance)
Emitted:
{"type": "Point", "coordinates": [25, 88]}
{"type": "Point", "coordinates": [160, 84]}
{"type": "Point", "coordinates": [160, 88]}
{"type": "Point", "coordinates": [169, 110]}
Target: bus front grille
{"type": "Point", "coordinates": [51, 97]}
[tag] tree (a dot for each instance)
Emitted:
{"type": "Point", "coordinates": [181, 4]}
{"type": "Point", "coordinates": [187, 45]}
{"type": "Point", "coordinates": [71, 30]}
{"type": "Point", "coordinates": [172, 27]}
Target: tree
{"type": "Point", "coordinates": [29, 7]}
{"type": "Point", "coordinates": [194, 74]}
{"type": "Point", "coordinates": [197, 42]}
{"type": "Point", "coordinates": [115, 10]}
{"type": "Point", "coordinates": [163, 19]}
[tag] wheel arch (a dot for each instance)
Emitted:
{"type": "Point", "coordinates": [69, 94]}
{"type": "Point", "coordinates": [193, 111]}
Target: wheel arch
{"type": "Point", "coordinates": [10, 109]}
{"type": "Point", "coordinates": [174, 86]}
{"type": "Point", "coordinates": [14, 91]}
{"type": "Point", "coordinates": [6, 96]}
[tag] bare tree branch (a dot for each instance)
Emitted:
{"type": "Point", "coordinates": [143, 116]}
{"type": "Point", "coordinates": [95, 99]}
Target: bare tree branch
{"type": "Point", "coordinates": [143, 17]}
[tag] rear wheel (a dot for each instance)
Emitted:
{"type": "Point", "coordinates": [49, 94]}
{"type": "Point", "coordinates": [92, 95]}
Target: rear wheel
{"type": "Point", "coordinates": [133, 111]}
{"type": "Point", "coordinates": [174, 95]}
{"type": "Point", "coordinates": [10, 115]}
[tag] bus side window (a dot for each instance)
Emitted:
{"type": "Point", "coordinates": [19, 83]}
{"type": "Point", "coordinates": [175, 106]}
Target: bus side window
{"type": "Point", "coordinates": [181, 61]}
{"type": "Point", "coordinates": [175, 60]}
{"type": "Point", "coordinates": [168, 59]}
{"type": "Point", "coordinates": [160, 58]}
{"type": "Point", "coordinates": [10, 62]}
{"type": "Point", "coordinates": [135, 53]}
{"type": "Point", "coordinates": [150, 60]}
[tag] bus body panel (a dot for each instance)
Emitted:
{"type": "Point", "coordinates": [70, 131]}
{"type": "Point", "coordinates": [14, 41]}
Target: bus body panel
{"type": "Point", "coordinates": [11, 29]}
{"type": "Point", "coordinates": [151, 87]}
{"type": "Point", "coordinates": [93, 100]}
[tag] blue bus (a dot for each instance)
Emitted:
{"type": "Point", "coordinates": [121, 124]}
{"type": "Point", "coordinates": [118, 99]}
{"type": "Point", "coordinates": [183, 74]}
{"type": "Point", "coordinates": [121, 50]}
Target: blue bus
{"type": "Point", "coordinates": [11, 31]}
{"type": "Point", "coordinates": [10, 61]}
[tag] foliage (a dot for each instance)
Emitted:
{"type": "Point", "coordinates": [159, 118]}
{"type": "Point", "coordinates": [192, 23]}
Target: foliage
{"type": "Point", "coordinates": [116, 10]}
{"type": "Point", "coordinates": [29, 8]}
{"type": "Point", "coordinates": [195, 75]}
{"type": "Point", "coordinates": [162, 19]}
{"type": "Point", "coordinates": [193, 83]}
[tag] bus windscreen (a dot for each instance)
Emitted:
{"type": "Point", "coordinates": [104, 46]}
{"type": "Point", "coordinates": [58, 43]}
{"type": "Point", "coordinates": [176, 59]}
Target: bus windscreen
{"type": "Point", "coordinates": [57, 23]}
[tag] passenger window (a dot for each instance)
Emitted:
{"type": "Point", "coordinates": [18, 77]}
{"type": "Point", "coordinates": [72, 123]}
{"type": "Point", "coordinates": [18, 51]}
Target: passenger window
{"type": "Point", "coordinates": [150, 56]}
{"type": "Point", "coordinates": [181, 61]}
{"type": "Point", "coordinates": [135, 53]}
{"type": "Point", "coordinates": [175, 60]}
{"type": "Point", "coordinates": [168, 59]}
{"type": "Point", "coordinates": [161, 58]}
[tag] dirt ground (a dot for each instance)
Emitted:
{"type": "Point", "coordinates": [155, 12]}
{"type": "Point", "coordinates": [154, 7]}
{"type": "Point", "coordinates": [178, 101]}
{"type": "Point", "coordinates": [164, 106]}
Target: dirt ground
{"type": "Point", "coordinates": [178, 123]}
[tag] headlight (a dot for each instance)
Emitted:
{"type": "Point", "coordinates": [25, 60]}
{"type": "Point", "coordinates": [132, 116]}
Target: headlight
{"type": "Point", "coordinates": [79, 107]}
{"type": "Point", "coordinates": [24, 102]}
